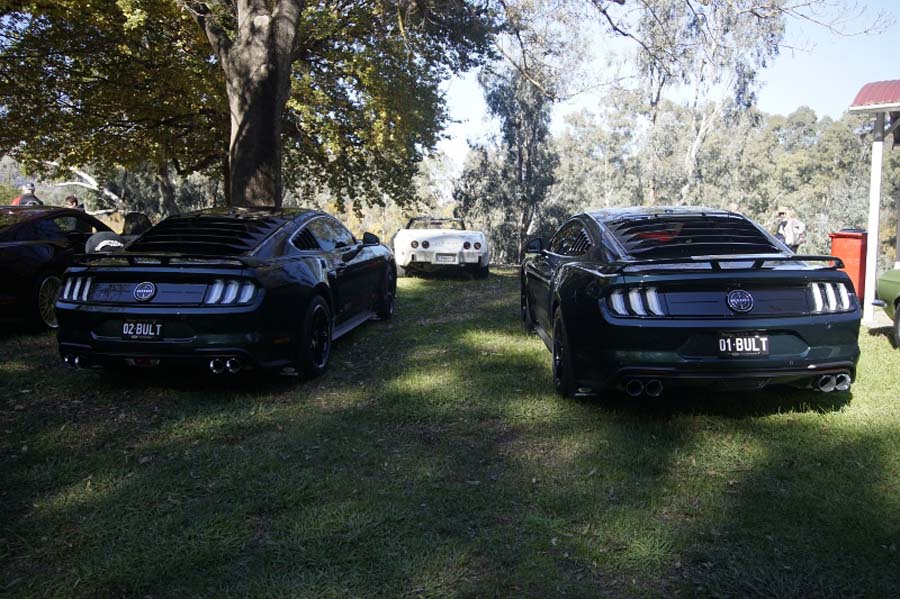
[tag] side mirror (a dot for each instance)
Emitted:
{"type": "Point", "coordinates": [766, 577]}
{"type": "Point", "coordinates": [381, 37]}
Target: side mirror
{"type": "Point", "coordinates": [370, 239]}
{"type": "Point", "coordinates": [535, 246]}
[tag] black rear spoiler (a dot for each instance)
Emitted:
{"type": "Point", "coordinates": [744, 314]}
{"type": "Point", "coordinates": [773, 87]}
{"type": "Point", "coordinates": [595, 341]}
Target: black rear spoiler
{"type": "Point", "coordinates": [757, 261]}
{"type": "Point", "coordinates": [150, 259]}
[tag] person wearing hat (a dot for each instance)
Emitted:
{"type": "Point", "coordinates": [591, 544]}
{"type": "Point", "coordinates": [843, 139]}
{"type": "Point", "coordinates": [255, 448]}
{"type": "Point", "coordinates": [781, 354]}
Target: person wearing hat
{"type": "Point", "coordinates": [27, 198]}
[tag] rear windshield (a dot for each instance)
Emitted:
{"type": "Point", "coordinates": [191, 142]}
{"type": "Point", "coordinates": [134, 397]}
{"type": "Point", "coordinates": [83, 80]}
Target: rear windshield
{"type": "Point", "coordinates": [683, 235]}
{"type": "Point", "coordinates": [206, 234]}
{"type": "Point", "coordinates": [436, 223]}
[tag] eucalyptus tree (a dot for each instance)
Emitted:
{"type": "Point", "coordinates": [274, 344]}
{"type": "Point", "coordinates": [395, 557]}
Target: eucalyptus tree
{"type": "Point", "coordinates": [514, 177]}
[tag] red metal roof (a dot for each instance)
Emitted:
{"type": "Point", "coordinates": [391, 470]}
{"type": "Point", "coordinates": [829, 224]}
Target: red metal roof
{"type": "Point", "coordinates": [877, 96]}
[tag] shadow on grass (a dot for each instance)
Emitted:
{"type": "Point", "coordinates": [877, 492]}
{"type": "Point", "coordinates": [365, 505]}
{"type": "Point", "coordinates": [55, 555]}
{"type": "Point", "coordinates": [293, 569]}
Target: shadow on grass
{"type": "Point", "coordinates": [434, 459]}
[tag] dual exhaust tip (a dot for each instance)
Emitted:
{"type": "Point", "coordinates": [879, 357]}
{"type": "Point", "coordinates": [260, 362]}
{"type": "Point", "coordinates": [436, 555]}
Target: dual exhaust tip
{"type": "Point", "coordinates": [637, 387]}
{"type": "Point", "coordinates": [223, 365]}
{"type": "Point", "coordinates": [833, 382]}
{"type": "Point", "coordinates": [73, 361]}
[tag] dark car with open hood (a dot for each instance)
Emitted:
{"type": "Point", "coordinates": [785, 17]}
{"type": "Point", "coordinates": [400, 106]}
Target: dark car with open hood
{"type": "Point", "coordinates": [228, 290]}
{"type": "Point", "coordinates": [645, 299]}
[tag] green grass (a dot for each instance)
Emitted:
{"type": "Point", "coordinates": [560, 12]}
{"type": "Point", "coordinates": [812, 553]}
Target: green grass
{"type": "Point", "coordinates": [435, 460]}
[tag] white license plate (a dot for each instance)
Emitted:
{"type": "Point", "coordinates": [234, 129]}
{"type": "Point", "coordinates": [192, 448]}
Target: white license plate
{"type": "Point", "coordinates": [141, 329]}
{"type": "Point", "coordinates": [446, 258]}
{"type": "Point", "coordinates": [744, 345]}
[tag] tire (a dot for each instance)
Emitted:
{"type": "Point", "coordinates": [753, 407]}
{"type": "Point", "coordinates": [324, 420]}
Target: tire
{"type": "Point", "coordinates": [386, 305]}
{"type": "Point", "coordinates": [315, 339]}
{"type": "Point", "coordinates": [43, 300]}
{"type": "Point", "coordinates": [482, 272]}
{"type": "Point", "coordinates": [527, 317]}
{"type": "Point", "coordinates": [563, 372]}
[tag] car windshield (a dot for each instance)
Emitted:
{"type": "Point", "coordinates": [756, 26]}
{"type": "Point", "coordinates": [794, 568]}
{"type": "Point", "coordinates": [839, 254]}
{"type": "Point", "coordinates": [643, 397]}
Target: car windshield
{"type": "Point", "coordinates": [697, 234]}
{"type": "Point", "coordinates": [436, 223]}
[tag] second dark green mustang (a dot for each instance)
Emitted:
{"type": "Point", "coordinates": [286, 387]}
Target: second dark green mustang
{"type": "Point", "coordinates": [644, 299]}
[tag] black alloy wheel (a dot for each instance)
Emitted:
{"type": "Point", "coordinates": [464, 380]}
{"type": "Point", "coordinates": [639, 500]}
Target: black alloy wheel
{"type": "Point", "coordinates": [46, 292]}
{"type": "Point", "coordinates": [563, 375]}
{"type": "Point", "coordinates": [386, 303]}
{"type": "Point", "coordinates": [527, 318]}
{"type": "Point", "coordinates": [315, 341]}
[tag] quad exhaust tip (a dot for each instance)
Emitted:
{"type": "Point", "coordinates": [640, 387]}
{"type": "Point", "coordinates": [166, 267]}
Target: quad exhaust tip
{"type": "Point", "coordinates": [842, 382]}
{"type": "Point", "coordinates": [223, 365]}
{"type": "Point", "coordinates": [217, 366]}
{"type": "Point", "coordinates": [233, 365]}
{"type": "Point", "coordinates": [834, 382]}
{"type": "Point", "coordinates": [637, 387]}
{"type": "Point", "coordinates": [826, 383]}
{"type": "Point", "coordinates": [634, 387]}
{"type": "Point", "coordinates": [73, 361]}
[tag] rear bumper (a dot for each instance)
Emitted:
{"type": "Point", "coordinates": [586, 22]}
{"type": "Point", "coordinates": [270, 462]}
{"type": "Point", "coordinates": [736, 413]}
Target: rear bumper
{"type": "Point", "coordinates": [192, 336]}
{"type": "Point", "coordinates": [424, 259]}
{"type": "Point", "coordinates": [685, 352]}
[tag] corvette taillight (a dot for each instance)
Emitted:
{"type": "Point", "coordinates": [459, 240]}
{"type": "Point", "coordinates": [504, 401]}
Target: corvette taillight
{"type": "Point", "coordinates": [76, 289]}
{"type": "Point", "coordinates": [466, 245]}
{"type": "Point", "coordinates": [637, 301]}
{"type": "Point", "coordinates": [477, 245]}
{"type": "Point", "coordinates": [229, 292]}
{"type": "Point", "coordinates": [830, 297]}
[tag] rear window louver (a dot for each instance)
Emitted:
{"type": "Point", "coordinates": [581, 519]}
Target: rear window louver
{"type": "Point", "coordinates": [675, 236]}
{"type": "Point", "coordinates": [206, 235]}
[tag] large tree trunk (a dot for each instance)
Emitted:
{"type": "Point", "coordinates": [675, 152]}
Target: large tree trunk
{"type": "Point", "coordinates": [168, 205]}
{"type": "Point", "coordinates": [257, 63]}
{"type": "Point", "coordinates": [256, 101]}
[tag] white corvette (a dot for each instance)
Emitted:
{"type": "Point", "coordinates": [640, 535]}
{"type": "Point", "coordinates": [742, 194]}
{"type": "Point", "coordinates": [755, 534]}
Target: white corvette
{"type": "Point", "coordinates": [431, 243]}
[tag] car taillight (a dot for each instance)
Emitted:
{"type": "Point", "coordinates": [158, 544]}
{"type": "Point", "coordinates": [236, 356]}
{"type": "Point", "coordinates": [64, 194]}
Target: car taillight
{"type": "Point", "coordinates": [830, 297]}
{"type": "Point", "coordinates": [467, 245]}
{"type": "Point", "coordinates": [637, 301]}
{"type": "Point", "coordinates": [229, 291]}
{"type": "Point", "coordinates": [76, 289]}
{"type": "Point", "coordinates": [425, 244]}
{"type": "Point", "coordinates": [414, 244]}
{"type": "Point", "coordinates": [477, 245]}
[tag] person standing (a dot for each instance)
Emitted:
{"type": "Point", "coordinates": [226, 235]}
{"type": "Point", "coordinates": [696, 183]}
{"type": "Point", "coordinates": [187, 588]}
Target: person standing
{"type": "Point", "coordinates": [791, 230]}
{"type": "Point", "coordinates": [27, 198]}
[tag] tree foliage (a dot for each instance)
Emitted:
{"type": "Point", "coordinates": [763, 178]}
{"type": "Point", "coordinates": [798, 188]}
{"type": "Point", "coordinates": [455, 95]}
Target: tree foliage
{"type": "Point", "coordinates": [349, 88]}
{"type": "Point", "coordinates": [504, 186]}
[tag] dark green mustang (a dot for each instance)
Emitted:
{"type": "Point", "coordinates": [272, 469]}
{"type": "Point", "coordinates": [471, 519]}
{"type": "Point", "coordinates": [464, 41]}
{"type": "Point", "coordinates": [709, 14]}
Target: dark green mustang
{"type": "Point", "coordinates": [642, 299]}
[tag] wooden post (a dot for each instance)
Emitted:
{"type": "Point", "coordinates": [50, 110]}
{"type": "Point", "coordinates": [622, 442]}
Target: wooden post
{"type": "Point", "coordinates": [874, 209]}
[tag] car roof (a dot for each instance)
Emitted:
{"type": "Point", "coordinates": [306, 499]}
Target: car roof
{"type": "Point", "coordinates": [251, 213]}
{"type": "Point", "coordinates": [603, 215]}
{"type": "Point", "coordinates": [14, 215]}
{"type": "Point", "coordinates": [225, 230]}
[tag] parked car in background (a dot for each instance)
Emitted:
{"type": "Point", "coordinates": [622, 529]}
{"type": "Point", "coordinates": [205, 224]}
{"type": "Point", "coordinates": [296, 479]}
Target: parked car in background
{"type": "Point", "coordinates": [226, 289]}
{"type": "Point", "coordinates": [37, 243]}
{"type": "Point", "coordinates": [428, 244]}
{"type": "Point", "coordinates": [643, 299]}
{"type": "Point", "coordinates": [887, 291]}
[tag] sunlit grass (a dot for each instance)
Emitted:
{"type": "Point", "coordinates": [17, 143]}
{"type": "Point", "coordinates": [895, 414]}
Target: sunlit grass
{"type": "Point", "coordinates": [435, 460]}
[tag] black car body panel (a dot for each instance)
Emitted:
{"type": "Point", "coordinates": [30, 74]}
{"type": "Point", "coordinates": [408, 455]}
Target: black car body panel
{"type": "Point", "coordinates": [653, 304]}
{"type": "Point", "coordinates": [226, 283]}
{"type": "Point", "coordinates": [35, 241]}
